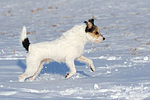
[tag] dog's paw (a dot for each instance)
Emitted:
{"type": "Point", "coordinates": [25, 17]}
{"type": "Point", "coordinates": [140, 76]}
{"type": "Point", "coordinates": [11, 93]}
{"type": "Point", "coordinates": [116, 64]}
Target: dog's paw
{"type": "Point", "coordinates": [70, 73]}
{"type": "Point", "coordinates": [92, 68]}
{"type": "Point", "coordinates": [21, 79]}
{"type": "Point", "coordinates": [31, 78]}
{"type": "Point", "coordinates": [67, 76]}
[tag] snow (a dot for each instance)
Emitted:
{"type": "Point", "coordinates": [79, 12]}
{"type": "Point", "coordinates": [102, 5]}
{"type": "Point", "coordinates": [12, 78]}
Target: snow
{"type": "Point", "coordinates": [121, 61]}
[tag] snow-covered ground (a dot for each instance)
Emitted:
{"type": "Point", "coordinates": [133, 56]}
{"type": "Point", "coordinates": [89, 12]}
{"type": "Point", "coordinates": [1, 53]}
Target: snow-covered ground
{"type": "Point", "coordinates": [122, 61]}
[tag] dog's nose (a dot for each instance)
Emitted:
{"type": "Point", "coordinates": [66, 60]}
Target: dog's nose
{"type": "Point", "coordinates": [103, 38]}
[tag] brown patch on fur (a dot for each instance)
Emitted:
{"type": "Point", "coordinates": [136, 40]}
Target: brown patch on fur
{"type": "Point", "coordinates": [67, 75]}
{"type": "Point", "coordinates": [47, 60]}
{"type": "Point", "coordinates": [91, 68]}
{"type": "Point", "coordinates": [94, 36]}
{"type": "Point", "coordinates": [96, 33]}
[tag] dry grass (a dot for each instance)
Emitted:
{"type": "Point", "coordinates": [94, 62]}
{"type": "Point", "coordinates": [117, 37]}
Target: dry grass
{"type": "Point", "coordinates": [34, 11]}
{"type": "Point", "coordinates": [54, 25]}
{"type": "Point", "coordinates": [34, 32]}
{"type": "Point", "coordinates": [148, 43]}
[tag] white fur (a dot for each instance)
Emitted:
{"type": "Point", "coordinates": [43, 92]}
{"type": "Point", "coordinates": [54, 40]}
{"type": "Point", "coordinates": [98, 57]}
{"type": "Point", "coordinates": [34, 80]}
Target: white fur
{"type": "Point", "coordinates": [67, 48]}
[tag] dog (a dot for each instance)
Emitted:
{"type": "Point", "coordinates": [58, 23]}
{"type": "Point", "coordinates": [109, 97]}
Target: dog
{"type": "Point", "coordinates": [67, 48]}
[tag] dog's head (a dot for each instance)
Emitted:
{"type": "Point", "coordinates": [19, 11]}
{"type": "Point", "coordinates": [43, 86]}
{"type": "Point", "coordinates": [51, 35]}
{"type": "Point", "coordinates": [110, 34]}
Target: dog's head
{"type": "Point", "coordinates": [93, 32]}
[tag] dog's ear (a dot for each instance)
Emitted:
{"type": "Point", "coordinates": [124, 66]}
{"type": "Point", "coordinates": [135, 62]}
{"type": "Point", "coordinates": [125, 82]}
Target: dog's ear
{"type": "Point", "coordinates": [89, 24]}
{"type": "Point", "coordinates": [92, 21]}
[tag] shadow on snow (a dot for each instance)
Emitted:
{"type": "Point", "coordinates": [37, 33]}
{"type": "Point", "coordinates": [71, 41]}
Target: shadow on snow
{"type": "Point", "coordinates": [54, 68]}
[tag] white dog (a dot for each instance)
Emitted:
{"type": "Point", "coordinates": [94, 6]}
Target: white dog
{"type": "Point", "coordinates": [69, 47]}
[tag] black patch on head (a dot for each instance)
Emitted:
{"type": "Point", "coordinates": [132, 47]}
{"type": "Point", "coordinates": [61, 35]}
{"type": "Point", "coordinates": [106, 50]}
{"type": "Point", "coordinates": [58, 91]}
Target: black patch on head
{"type": "Point", "coordinates": [92, 21]}
{"type": "Point", "coordinates": [96, 33]}
{"type": "Point", "coordinates": [90, 29]}
{"type": "Point", "coordinates": [26, 44]}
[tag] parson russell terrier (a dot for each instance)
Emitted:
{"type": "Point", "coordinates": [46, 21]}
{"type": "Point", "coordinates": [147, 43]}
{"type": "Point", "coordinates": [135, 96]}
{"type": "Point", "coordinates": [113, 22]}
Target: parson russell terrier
{"type": "Point", "coordinates": [67, 48]}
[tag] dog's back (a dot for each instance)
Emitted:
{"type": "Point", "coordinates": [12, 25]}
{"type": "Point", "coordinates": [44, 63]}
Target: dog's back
{"type": "Point", "coordinates": [71, 43]}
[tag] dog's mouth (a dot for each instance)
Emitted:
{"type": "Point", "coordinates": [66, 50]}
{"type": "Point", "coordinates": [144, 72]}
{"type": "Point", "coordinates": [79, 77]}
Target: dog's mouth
{"type": "Point", "coordinates": [100, 39]}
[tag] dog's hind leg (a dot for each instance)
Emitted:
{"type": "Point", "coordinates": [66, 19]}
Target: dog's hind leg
{"type": "Point", "coordinates": [25, 75]}
{"type": "Point", "coordinates": [88, 61]}
{"type": "Point", "coordinates": [39, 69]}
{"type": "Point", "coordinates": [37, 72]}
{"type": "Point", "coordinates": [30, 71]}
{"type": "Point", "coordinates": [71, 65]}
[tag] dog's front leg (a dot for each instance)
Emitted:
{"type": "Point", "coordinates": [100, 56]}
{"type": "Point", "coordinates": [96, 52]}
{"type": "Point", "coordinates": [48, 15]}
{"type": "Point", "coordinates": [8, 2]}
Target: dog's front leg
{"type": "Point", "coordinates": [71, 65]}
{"type": "Point", "coordinates": [88, 61]}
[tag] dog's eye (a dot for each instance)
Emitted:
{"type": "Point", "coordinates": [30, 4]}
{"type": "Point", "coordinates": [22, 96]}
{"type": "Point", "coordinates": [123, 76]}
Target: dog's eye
{"type": "Point", "coordinates": [96, 33]}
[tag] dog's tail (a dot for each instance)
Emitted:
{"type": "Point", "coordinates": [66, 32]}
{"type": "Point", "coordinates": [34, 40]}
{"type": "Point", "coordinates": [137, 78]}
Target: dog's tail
{"type": "Point", "coordinates": [24, 39]}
